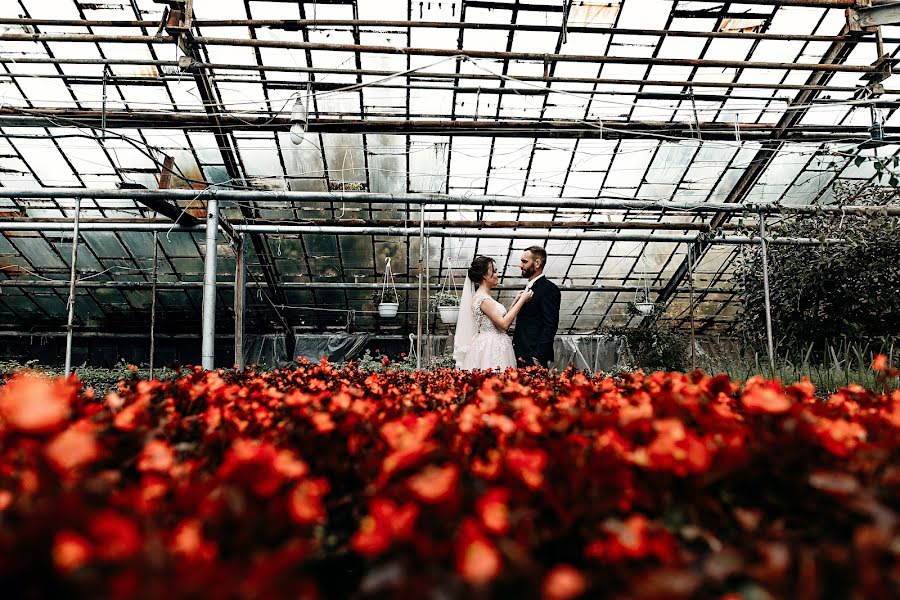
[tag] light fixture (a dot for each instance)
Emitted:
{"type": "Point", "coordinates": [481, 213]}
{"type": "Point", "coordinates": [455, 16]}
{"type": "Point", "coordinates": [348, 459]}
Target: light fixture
{"type": "Point", "coordinates": [299, 121]}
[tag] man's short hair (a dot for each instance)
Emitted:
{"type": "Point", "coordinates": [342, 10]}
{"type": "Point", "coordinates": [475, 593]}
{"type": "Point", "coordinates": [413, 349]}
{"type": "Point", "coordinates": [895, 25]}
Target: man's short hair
{"type": "Point", "coordinates": [539, 253]}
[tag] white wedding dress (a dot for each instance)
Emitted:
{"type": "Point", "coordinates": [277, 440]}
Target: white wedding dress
{"type": "Point", "coordinates": [490, 348]}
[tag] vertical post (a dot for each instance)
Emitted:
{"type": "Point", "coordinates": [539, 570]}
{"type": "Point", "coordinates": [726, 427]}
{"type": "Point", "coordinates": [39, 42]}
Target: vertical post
{"type": "Point", "coordinates": [690, 262]}
{"type": "Point", "coordinates": [209, 285]}
{"type": "Point", "coordinates": [427, 302]}
{"type": "Point", "coordinates": [240, 291]}
{"type": "Point", "coordinates": [765, 268]}
{"type": "Point", "coordinates": [153, 301]}
{"type": "Point", "coordinates": [71, 303]}
{"type": "Point", "coordinates": [419, 295]}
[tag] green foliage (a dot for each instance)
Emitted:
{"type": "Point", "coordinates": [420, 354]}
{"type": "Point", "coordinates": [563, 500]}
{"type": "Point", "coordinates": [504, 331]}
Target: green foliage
{"type": "Point", "coordinates": [819, 294]}
{"type": "Point", "coordinates": [653, 346]}
{"type": "Point", "coordinates": [444, 298]}
{"type": "Point", "coordinates": [101, 379]}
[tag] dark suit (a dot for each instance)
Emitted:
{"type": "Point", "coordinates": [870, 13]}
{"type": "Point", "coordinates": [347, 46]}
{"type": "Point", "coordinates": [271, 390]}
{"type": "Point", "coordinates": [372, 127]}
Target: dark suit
{"type": "Point", "coordinates": [537, 323]}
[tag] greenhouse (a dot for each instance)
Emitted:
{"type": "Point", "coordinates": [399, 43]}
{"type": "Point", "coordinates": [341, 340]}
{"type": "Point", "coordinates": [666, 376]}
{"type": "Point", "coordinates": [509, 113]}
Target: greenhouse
{"type": "Point", "coordinates": [239, 351]}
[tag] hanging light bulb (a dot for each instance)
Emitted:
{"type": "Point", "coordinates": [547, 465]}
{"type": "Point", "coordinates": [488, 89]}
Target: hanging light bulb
{"type": "Point", "coordinates": [300, 121]}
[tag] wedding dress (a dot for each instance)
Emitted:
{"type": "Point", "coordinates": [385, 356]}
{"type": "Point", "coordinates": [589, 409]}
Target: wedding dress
{"type": "Point", "coordinates": [478, 343]}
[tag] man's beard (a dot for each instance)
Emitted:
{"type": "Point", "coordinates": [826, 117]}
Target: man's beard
{"type": "Point", "coordinates": [528, 272]}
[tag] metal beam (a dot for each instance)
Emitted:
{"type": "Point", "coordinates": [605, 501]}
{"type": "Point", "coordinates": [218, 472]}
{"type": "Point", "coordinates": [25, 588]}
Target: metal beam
{"type": "Point", "coordinates": [538, 57]}
{"type": "Point", "coordinates": [317, 285]}
{"type": "Point", "coordinates": [422, 75]}
{"type": "Point", "coordinates": [297, 230]}
{"type": "Point", "coordinates": [867, 14]}
{"type": "Point", "coordinates": [406, 199]}
{"type": "Point", "coordinates": [161, 206]}
{"type": "Point", "coordinates": [380, 25]}
{"type": "Point", "coordinates": [215, 109]}
{"type": "Point", "coordinates": [666, 131]}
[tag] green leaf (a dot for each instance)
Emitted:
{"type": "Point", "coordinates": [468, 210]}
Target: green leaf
{"type": "Point", "coordinates": [859, 160]}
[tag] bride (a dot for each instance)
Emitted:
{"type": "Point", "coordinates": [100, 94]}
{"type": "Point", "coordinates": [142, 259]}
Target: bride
{"type": "Point", "coordinates": [481, 341]}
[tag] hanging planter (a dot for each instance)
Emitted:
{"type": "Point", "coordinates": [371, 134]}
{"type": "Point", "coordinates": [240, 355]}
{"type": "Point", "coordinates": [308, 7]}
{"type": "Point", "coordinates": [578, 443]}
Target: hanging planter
{"type": "Point", "coordinates": [644, 308]}
{"type": "Point", "coordinates": [449, 314]}
{"type": "Point", "coordinates": [389, 301]}
{"type": "Point", "coordinates": [446, 301]}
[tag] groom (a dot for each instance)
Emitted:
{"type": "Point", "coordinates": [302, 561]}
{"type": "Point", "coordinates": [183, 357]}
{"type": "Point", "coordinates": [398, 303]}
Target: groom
{"type": "Point", "coordinates": [538, 320]}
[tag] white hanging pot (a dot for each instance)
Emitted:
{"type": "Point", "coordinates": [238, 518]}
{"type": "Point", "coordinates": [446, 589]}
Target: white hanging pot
{"type": "Point", "coordinates": [388, 309]}
{"type": "Point", "coordinates": [449, 314]}
{"type": "Point", "coordinates": [645, 308]}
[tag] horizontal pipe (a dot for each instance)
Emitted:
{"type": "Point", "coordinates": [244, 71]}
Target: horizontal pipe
{"type": "Point", "coordinates": [581, 225]}
{"type": "Point", "coordinates": [415, 200]}
{"type": "Point", "coordinates": [318, 24]}
{"type": "Point", "coordinates": [429, 75]}
{"type": "Point", "coordinates": [296, 230]}
{"type": "Point", "coordinates": [315, 285]}
{"type": "Point", "coordinates": [673, 131]}
{"type": "Point", "coordinates": [440, 52]}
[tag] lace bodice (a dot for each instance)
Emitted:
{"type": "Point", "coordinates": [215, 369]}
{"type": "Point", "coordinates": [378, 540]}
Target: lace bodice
{"type": "Point", "coordinates": [482, 321]}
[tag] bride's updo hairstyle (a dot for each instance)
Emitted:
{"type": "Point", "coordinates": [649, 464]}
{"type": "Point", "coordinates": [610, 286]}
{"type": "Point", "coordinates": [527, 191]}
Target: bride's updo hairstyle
{"type": "Point", "coordinates": [479, 269]}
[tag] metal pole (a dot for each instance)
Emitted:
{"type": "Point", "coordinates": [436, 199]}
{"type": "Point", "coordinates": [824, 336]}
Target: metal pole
{"type": "Point", "coordinates": [765, 269]}
{"type": "Point", "coordinates": [240, 290]}
{"type": "Point", "coordinates": [550, 202]}
{"type": "Point", "coordinates": [419, 294]}
{"type": "Point", "coordinates": [315, 285]}
{"type": "Point", "coordinates": [691, 300]}
{"type": "Point", "coordinates": [71, 303]}
{"type": "Point", "coordinates": [427, 302]}
{"type": "Point", "coordinates": [209, 285]}
{"type": "Point", "coordinates": [153, 301]}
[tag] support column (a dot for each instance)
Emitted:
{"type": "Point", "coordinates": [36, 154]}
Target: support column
{"type": "Point", "coordinates": [765, 270]}
{"type": "Point", "coordinates": [419, 294]}
{"type": "Point", "coordinates": [209, 285]}
{"type": "Point", "coordinates": [153, 302]}
{"type": "Point", "coordinates": [240, 292]}
{"type": "Point", "coordinates": [71, 303]}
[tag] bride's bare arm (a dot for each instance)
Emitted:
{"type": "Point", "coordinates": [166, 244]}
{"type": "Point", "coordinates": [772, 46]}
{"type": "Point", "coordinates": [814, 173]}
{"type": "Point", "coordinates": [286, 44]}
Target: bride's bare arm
{"type": "Point", "coordinates": [502, 322]}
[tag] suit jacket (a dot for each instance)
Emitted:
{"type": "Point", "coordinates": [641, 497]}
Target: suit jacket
{"type": "Point", "coordinates": [537, 323]}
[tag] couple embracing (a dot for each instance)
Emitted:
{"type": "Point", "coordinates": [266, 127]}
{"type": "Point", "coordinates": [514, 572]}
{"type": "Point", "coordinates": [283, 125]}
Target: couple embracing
{"type": "Point", "coordinates": [481, 341]}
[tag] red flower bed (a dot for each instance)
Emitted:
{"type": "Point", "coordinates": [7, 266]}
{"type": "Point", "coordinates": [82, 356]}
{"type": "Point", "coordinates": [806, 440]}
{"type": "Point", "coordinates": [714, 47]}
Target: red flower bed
{"type": "Point", "coordinates": [320, 482]}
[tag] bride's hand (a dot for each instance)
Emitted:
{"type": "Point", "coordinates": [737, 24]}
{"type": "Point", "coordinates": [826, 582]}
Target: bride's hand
{"type": "Point", "coordinates": [526, 295]}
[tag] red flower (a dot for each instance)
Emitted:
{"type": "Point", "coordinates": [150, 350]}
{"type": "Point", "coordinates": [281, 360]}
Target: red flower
{"type": "Point", "coordinates": [385, 523]}
{"type": "Point", "coordinates": [528, 465]}
{"type": "Point", "coordinates": [840, 437]}
{"type": "Point", "coordinates": [156, 456]}
{"type": "Point", "coordinates": [477, 559]}
{"type": "Point", "coordinates": [115, 536]}
{"type": "Point", "coordinates": [761, 396]}
{"type": "Point", "coordinates": [73, 448]}
{"type": "Point", "coordinates": [493, 510]}
{"type": "Point", "coordinates": [35, 405]}
{"type": "Point", "coordinates": [563, 582]}
{"type": "Point", "coordinates": [305, 502]}
{"type": "Point", "coordinates": [188, 542]}
{"type": "Point", "coordinates": [435, 484]}
{"type": "Point", "coordinates": [70, 551]}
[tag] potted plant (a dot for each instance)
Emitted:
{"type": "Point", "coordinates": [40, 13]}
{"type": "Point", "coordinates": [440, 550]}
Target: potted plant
{"type": "Point", "coordinates": [447, 304]}
{"type": "Point", "coordinates": [388, 300]}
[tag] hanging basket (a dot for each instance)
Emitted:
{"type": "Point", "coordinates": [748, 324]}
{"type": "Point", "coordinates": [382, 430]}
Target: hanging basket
{"type": "Point", "coordinates": [447, 299]}
{"type": "Point", "coordinates": [449, 314]}
{"type": "Point", "coordinates": [388, 309]}
{"type": "Point", "coordinates": [645, 308]}
{"type": "Point", "coordinates": [389, 304]}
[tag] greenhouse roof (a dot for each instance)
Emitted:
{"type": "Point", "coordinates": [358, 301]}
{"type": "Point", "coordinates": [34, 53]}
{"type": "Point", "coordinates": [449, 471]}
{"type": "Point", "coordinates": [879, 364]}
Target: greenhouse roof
{"type": "Point", "coordinates": [652, 101]}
